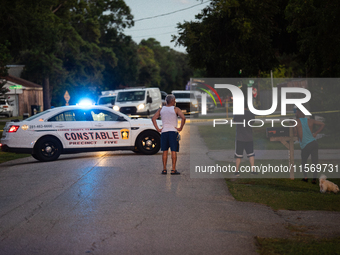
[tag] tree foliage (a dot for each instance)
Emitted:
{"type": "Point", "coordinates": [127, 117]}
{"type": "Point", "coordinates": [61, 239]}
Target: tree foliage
{"type": "Point", "coordinates": [318, 36]}
{"type": "Point", "coordinates": [164, 67]}
{"type": "Point", "coordinates": [80, 46]}
{"type": "Point", "coordinates": [5, 57]}
{"type": "Point", "coordinates": [230, 36]}
{"type": "Point", "coordinates": [61, 42]}
{"type": "Point", "coordinates": [292, 37]}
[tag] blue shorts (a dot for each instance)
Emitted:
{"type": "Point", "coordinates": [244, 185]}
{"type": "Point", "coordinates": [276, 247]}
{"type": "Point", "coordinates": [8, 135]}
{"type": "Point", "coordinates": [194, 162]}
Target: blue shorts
{"type": "Point", "coordinates": [169, 140]}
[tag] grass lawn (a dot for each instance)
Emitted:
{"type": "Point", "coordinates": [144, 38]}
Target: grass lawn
{"type": "Point", "coordinates": [284, 194]}
{"type": "Point", "coordinates": [298, 246]}
{"type": "Point", "coordinates": [7, 156]}
{"type": "Point", "coordinates": [222, 137]}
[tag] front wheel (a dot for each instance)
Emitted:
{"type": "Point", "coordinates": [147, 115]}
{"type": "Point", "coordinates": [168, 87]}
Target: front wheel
{"type": "Point", "coordinates": [47, 149]}
{"type": "Point", "coordinates": [148, 142]}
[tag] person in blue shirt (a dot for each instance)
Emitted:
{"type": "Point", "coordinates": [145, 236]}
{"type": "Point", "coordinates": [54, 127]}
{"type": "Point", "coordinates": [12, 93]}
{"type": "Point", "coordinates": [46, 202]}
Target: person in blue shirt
{"type": "Point", "coordinates": [309, 145]}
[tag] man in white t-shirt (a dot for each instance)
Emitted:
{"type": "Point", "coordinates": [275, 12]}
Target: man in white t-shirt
{"type": "Point", "coordinates": [169, 131]}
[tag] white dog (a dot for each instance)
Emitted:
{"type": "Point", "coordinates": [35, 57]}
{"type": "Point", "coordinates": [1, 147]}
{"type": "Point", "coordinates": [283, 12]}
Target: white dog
{"type": "Point", "coordinates": [327, 185]}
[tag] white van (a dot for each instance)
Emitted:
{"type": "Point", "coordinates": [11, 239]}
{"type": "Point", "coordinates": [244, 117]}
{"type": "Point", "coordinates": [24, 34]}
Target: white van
{"type": "Point", "coordinates": [108, 98]}
{"type": "Point", "coordinates": [138, 102]}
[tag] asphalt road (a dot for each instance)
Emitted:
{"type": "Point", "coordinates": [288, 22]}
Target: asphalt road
{"type": "Point", "coordinates": [119, 203]}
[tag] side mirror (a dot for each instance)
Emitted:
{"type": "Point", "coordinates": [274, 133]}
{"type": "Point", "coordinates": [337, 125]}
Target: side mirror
{"type": "Point", "coordinates": [121, 118]}
{"type": "Point", "coordinates": [149, 100]}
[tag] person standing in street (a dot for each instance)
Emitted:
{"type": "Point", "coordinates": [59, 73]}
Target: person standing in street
{"type": "Point", "coordinates": [169, 131]}
{"type": "Point", "coordinates": [244, 139]}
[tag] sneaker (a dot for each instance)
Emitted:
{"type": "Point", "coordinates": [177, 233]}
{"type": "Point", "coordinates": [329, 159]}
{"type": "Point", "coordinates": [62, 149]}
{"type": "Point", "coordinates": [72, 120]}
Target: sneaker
{"type": "Point", "coordinates": [237, 174]}
{"type": "Point", "coordinates": [253, 173]}
{"type": "Point", "coordinates": [304, 180]}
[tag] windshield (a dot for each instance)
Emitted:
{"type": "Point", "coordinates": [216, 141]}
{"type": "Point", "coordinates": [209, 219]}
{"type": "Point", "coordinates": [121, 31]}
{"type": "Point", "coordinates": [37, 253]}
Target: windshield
{"type": "Point", "coordinates": [130, 96]}
{"type": "Point", "coordinates": [184, 95]}
{"type": "Point", "coordinates": [107, 100]}
{"type": "Point", "coordinates": [2, 102]}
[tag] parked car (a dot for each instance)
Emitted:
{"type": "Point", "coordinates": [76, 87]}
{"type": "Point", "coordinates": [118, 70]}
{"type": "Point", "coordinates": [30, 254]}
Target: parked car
{"type": "Point", "coordinates": [6, 108]}
{"type": "Point", "coordinates": [163, 94]}
{"type": "Point", "coordinates": [107, 98]}
{"type": "Point", "coordinates": [138, 102]}
{"type": "Point", "coordinates": [187, 101]}
{"type": "Point", "coordinates": [74, 129]}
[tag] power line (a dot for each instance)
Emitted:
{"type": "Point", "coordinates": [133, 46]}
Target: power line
{"type": "Point", "coordinates": [165, 14]}
{"type": "Point", "coordinates": [154, 34]}
{"type": "Point", "coordinates": [149, 28]}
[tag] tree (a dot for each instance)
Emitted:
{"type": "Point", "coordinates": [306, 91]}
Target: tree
{"type": "Point", "coordinates": [5, 57]}
{"type": "Point", "coordinates": [148, 74]}
{"type": "Point", "coordinates": [60, 41]}
{"type": "Point", "coordinates": [174, 69]}
{"type": "Point", "coordinates": [230, 36]}
{"type": "Point", "coordinates": [318, 37]}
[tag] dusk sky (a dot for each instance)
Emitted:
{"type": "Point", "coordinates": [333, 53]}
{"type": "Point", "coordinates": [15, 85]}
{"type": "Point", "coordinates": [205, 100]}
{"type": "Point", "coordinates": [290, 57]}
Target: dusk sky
{"type": "Point", "coordinates": [161, 28]}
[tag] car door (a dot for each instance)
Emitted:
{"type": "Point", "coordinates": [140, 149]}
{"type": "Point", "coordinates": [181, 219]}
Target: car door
{"type": "Point", "coordinates": [74, 128]}
{"type": "Point", "coordinates": [109, 130]}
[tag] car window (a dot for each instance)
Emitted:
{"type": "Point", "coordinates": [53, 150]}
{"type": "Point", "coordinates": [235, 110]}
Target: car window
{"type": "Point", "coordinates": [71, 115]}
{"type": "Point", "coordinates": [107, 100]}
{"type": "Point", "coordinates": [184, 95]}
{"type": "Point", "coordinates": [130, 96]}
{"type": "Point", "coordinates": [103, 115]}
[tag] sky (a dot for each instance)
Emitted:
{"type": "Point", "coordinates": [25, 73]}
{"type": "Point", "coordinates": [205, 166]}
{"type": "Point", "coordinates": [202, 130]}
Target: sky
{"type": "Point", "coordinates": [161, 28]}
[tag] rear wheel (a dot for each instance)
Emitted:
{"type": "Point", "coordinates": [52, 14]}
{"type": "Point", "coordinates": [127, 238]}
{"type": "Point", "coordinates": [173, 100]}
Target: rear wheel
{"type": "Point", "coordinates": [148, 142]}
{"type": "Point", "coordinates": [47, 149]}
{"type": "Point", "coordinates": [35, 156]}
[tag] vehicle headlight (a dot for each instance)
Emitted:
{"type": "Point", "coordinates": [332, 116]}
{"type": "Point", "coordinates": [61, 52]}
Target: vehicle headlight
{"type": "Point", "coordinates": [194, 103]}
{"type": "Point", "coordinates": [141, 106]}
{"type": "Point", "coordinates": [116, 108]}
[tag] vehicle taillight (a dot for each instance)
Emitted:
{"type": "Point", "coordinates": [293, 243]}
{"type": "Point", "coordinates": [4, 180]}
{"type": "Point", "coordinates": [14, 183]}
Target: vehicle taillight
{"type": "Point", "coordinates": [13, 129]}
{"type": "Point", "coordinates": [4, 106]}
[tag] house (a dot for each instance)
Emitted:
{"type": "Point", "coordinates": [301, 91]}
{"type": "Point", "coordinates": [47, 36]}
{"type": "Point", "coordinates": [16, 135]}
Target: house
{"type": "Point", "coordinates": [30, 94]}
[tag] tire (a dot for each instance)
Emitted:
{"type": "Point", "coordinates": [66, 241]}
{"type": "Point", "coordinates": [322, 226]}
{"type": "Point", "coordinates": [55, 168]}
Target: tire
{"type": "Point", "coordinates": [148, 142]}
{"type": "Point", "coordinates": [47, 149]}
{"type": "Point", "coordinates": [35, 156]}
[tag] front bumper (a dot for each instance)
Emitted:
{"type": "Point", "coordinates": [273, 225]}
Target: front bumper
{"type": "Point", "coordinates": [3, 111]}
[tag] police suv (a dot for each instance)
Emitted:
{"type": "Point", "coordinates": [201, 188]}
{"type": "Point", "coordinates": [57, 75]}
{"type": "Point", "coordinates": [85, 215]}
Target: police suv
{"type": "Point", "coordinates": [74, 129]}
